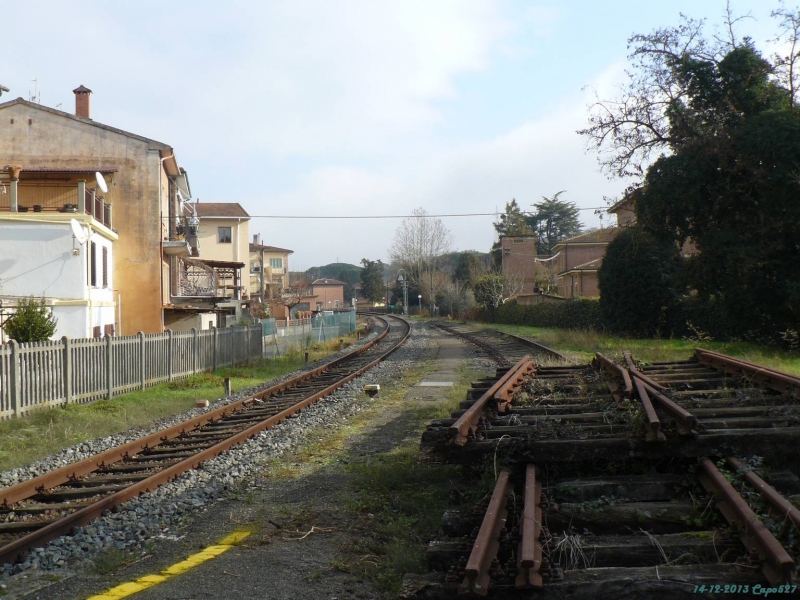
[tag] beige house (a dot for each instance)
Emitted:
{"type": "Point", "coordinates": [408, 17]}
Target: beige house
{"type": "Point", "coordinates": [269, 270]}
{"type": "Point", "coordinates": [329, 293]}
{"type": "Point", "coordinates": [208, 288]}
{"type": "Point", "coordinates": [49, 159]}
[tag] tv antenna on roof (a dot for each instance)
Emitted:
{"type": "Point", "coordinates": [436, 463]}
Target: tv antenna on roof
{"type": "Point", "coordinates": [35, 96]}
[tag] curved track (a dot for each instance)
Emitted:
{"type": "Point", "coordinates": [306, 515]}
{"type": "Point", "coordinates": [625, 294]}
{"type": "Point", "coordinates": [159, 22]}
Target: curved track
{"type": "Point", "coordinates": [51, 505]}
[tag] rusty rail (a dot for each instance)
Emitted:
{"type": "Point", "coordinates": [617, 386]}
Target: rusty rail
{"type": "Point", "coordinates": [776, 563]}
{"type": "Point", "coordinates": [27, 489]}
{"type": "Point", "coordinates": [780, 504]}
{"type": "Point", "coordinates": [468, 422]}
{"type": "Point", "coordinates": [529, 552]}
{"type": "Point", "coordinates": [613, 368]}
{"type": "Point", "coordinates": [639, 375]}
{"type": "Point", "coordinates": [654, 433]}
{"type": "Point", "coordinates": [476, 574]}
{"type": "Point", "coordinates": [777, 380]}
{"type": "Point", "coordinates": [685, 420]}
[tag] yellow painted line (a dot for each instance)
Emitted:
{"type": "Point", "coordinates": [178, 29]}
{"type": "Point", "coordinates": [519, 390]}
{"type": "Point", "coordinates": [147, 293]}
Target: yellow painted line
{"type": "Point", "coordinates": [132, 587]}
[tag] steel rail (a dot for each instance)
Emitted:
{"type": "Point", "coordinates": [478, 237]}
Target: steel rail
{"type": "Point", "coordinates": [685, 420]}
{"type": "Point", "coordinates": [777, 380]}
{"type": "Point", "coordinates": [654, 433]}
{"type": "Point", "coordinates": [613, 368]}
{"type": "Point", "coordinates": [467, 423]}
{"type": "Point", "coordinates": [529, 552]}
{"type": "Point", "coordinates": [488, 348]}
{"type": "Point", "coordinates": [776, 563]}
{"type": "Point", "coordinates": [16, 549]}
{"type": "Point", "coordinates": [476, 574]}
{"type": "Point", "coordinates": [638, 374]}
{"type": "Point", "coordinates": [780, 504]}
{"type": "Point", "coordinates": [539, 347]}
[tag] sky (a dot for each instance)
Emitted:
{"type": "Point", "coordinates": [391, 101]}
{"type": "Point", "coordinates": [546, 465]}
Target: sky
{"type": "Point", "coordinates": [354, 108]}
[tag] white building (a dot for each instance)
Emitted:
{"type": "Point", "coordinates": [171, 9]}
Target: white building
{"type": "Point", "coordinates": [41, 257]}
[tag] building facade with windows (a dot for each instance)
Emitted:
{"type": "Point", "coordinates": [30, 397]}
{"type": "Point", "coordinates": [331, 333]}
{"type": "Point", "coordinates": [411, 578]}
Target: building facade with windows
{"type": "Point", "coordinates": [48, 159]}
{"type": "Point", "coordinates": [269, 270]}
{"type": "Point", "coordinates": [329, 293]}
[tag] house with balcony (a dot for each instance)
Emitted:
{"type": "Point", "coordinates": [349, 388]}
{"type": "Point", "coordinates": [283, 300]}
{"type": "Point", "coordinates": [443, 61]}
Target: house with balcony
{"type": "Point", "coordinates": [59, 241]}
{"type": "Point", "coordinates": [49, 160]}
{"type": "Point", "coordinates": [208, 286]}
{"type": "Point", "coordinates": [269, 272]}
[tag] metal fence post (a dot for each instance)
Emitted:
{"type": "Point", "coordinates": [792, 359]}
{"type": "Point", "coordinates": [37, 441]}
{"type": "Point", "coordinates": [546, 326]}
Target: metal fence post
{"type": "Point", "coordinates": [142, 363]}
{"type": "Point", "coordinates": [67, 369]}
{"type": "Point", "coordinates": [15, 387]}
{"type": "Point", "coordinates": [169, 354]}
{"type": "Point", "coordinates": [109, 368]}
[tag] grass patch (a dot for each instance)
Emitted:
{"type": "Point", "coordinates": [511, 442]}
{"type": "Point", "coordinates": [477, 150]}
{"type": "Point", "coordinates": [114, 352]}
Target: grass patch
{"type": "Point", "coordinates": [581, 346]}
{"type": "Point", "coordinates": [46, 431]}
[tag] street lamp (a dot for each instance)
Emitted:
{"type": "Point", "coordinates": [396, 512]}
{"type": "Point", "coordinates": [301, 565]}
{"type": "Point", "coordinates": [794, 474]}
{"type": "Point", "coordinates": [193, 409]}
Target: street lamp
{"type": "Point", "coordinates": [420, 304]}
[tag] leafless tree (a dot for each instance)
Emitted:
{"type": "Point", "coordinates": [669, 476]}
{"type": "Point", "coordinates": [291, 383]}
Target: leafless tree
{"type": "Point", "coordinates": [626, 131]}
{"type": "Point", "coordinates": [787, 60]}
{"type": "Point", "coordinates": [418, 244]}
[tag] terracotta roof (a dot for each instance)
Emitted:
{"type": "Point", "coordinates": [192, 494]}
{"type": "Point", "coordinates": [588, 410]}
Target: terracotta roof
{"type": "Point", "coordinates": [255, 247]}
{"type": "Point", "coordinates": [598, 236]}
{"type": "Point", "coordinates": [327, 282]}
{"type": "Point", "coordinates": [221, 210]}
{"type": "Point", "coordinates": [625, 203]}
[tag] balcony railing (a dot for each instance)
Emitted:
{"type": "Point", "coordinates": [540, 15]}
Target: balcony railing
{"type": "Point", "coordinates": [65, 198]}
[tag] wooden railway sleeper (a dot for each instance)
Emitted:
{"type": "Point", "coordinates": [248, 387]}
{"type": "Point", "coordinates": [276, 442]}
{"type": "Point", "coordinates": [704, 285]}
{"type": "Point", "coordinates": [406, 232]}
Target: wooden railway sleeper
{"type": "Point", "coordinates": [776, 563]}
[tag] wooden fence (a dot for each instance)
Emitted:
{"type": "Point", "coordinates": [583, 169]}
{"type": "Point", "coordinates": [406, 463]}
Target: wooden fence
{"type": "Point", "coordinates": [54, 373]}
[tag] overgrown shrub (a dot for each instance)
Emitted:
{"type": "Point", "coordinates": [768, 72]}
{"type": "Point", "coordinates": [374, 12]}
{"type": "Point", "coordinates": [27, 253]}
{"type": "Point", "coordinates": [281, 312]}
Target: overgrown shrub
{"type": "Point", "coordinates": [32, 322]}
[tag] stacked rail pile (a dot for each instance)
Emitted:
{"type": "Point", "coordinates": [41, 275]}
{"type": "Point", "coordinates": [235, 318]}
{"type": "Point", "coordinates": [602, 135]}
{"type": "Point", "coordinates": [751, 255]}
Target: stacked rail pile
{"type": "Point", "coordinates": [668, 478]}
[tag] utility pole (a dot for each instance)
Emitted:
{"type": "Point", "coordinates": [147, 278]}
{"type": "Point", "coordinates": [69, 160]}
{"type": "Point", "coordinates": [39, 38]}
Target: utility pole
{"type": "Point", "coordinates": [405, 290]}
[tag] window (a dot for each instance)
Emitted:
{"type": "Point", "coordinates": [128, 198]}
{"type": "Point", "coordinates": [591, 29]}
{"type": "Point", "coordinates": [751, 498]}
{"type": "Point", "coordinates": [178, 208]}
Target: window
{"type": "Point", "coordinates": [519, 241]}
{"type": "Point", "coordinates": [255, 267]}
{"type": "Point", "coordinates": [224, 235]}
{"type": "Point", "coordinates": [93, 264]}
{"type": "Point", "coordinates": [276, 263]}
{"type": "Point", "coordinates": [105, 267]}
{"type": "Point", "coordinates": [335, 304]}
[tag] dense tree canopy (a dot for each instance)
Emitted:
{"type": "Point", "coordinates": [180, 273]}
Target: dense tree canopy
{"type": "Point", "coordinates": [726, 125]}
{"type": "Point", "coordinates": [553, 221]}
{"type": "Point", "coordinates": [372, 280]}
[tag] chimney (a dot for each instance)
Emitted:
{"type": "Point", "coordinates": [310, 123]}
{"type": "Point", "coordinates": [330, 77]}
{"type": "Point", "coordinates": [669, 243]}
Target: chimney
{"type": "Point", "coordinates": [255, 239]}
{"type": "Point", "coordinates": [82, 104]}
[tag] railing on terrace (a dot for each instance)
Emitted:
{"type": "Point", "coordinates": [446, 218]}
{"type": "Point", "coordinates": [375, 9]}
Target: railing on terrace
{"type": "Point", "coordinates": [55, 373]}
{"type": "Point", "coordinates": [64, 198]}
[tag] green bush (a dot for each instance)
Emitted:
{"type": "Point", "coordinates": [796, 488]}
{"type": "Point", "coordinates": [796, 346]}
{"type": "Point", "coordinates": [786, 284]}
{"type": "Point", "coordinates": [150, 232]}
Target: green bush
{"type": "Point", "coordinates": [638, 283]}
{"type": "Point", "coordinates": [32, 322]}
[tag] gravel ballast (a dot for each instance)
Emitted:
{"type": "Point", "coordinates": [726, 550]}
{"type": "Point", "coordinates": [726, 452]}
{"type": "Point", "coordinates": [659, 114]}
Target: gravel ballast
{"type": "Point", "coordinates": [161, 513]}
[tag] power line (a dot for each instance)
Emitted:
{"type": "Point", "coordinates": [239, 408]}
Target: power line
{"type": "Point", "coordinates": [492, 214]}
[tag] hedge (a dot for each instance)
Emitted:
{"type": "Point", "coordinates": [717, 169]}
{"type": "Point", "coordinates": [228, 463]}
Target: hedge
{"type": "Point", "coordinates": [578, 313]}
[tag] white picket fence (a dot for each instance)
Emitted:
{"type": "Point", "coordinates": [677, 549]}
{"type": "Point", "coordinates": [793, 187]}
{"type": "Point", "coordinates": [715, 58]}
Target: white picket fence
{"type": "Point", "coordinates": [54, 373]}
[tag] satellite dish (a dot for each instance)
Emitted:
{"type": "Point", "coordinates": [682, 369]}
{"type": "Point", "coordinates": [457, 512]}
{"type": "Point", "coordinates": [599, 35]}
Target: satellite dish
{"type": "Point", "coordinates": [78, 231]}
{"type": "Point", "coordinates": [101, 182]}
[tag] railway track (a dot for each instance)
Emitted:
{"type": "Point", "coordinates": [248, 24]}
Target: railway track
{"type": "Point", "coordinates": [56, 503]}
{"type": "Point", "coordinates": [619, 477]}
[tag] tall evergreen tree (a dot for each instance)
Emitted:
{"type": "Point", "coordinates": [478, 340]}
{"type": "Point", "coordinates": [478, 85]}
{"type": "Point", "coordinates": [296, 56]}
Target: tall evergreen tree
{"type": "Point", "coordinates": [553, 221]}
